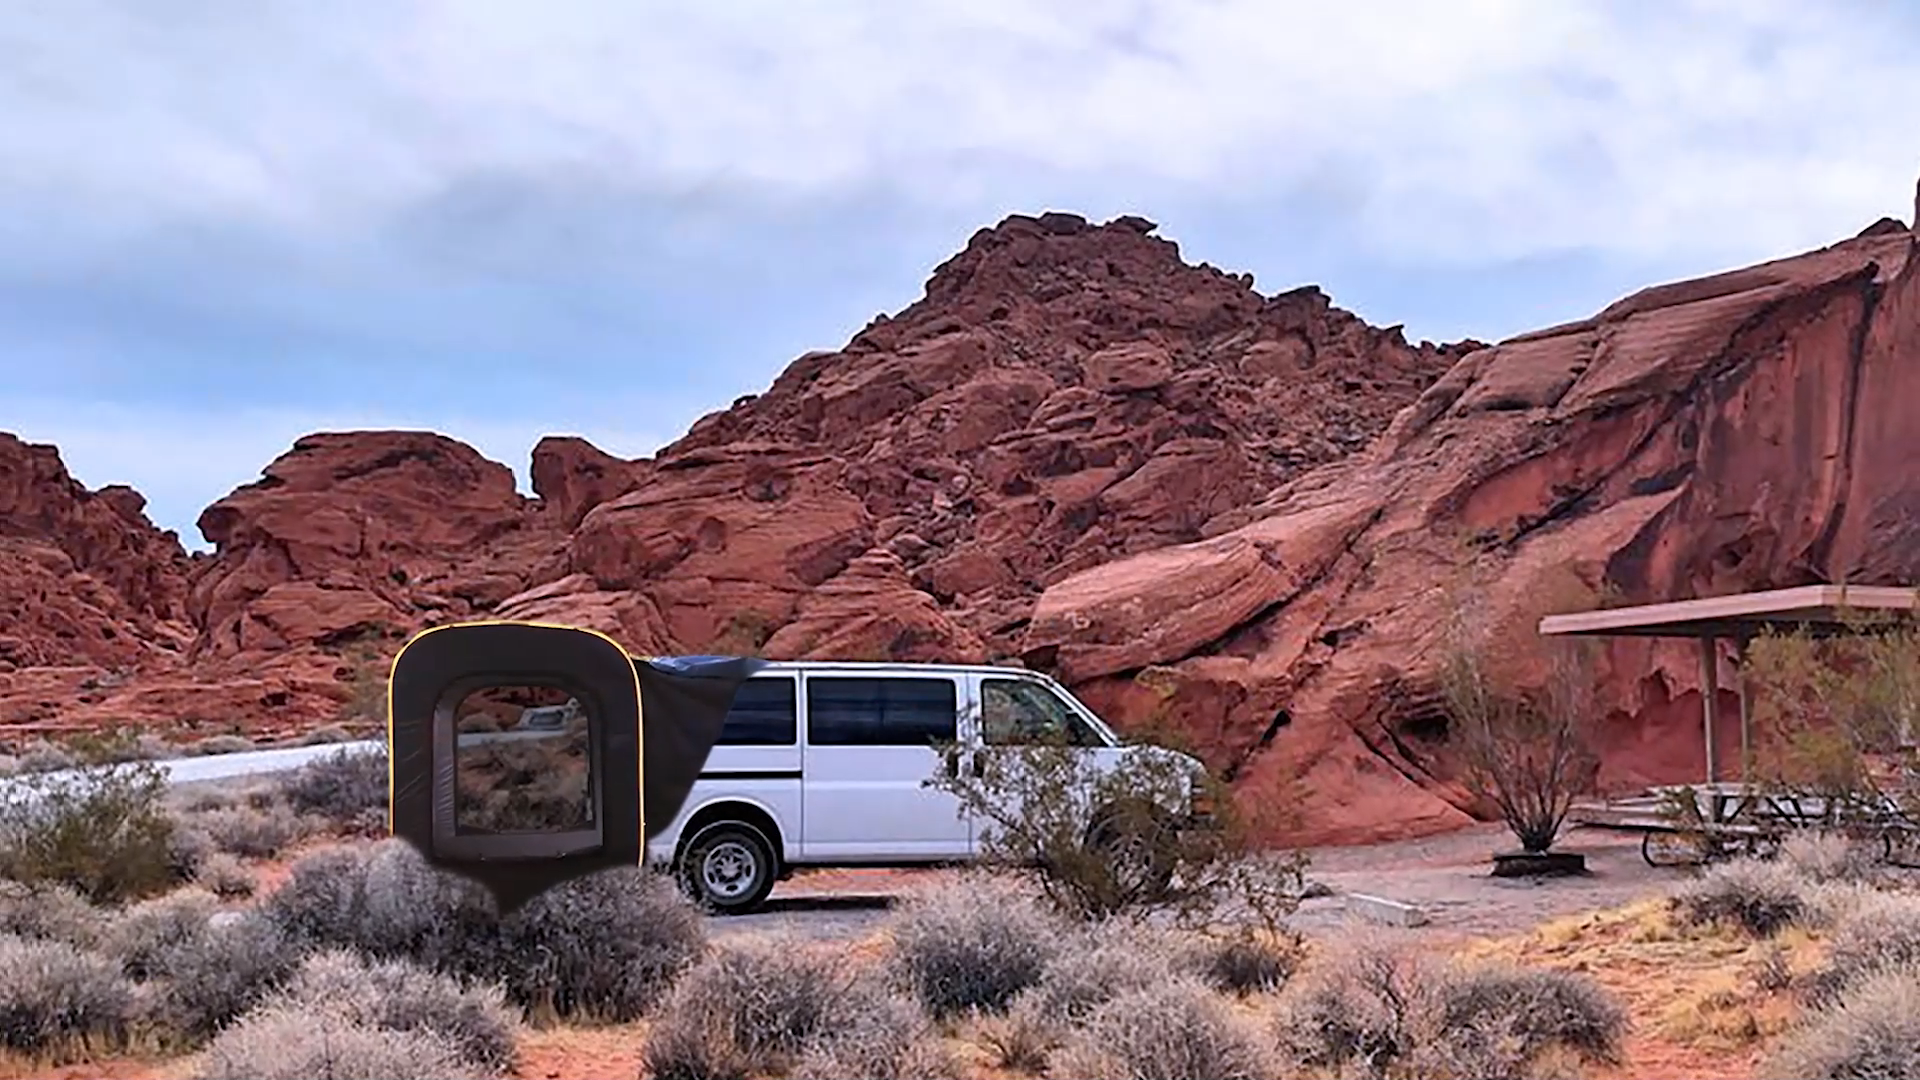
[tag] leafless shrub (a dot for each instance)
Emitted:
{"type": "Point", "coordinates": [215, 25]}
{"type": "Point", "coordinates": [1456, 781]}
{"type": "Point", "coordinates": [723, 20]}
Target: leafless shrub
{"type": "Point", "coordinates": [347, 788]}
{"type": "Point", "coordinates": [747, 1009]}
{"type": "Point", "coordinates": [394, 995]}
{"type": "Point", "coordinates": [1521, 712]}
{"type": "Point", "coordinates": [1761, 897]}
{"type": "Point", "coordinates": [49, 912]}
{"type": "Point", "coordinates": [602, 946]}
{"type": "Point", "coordinates": [1880, 934]}
{"type": "Point", "coordinates": [214, 745]}
{"type": "Point", "coordinates": [277, 1044]}
{"type": "Point", "coordinates": [1177, 1030]}
{"type": "Point", "coordinates": [1871, 1031]}
{"type": "Point", "coordinates": [253, 833]}
{"type": "Point", "coordinates": [1822, 857]}
{"type": "Point", "coordinates": [1361, 1009]}
{"type": "Point", "coordinates": [1544, 1009]}
{"type": "Point", "coordinates": [226, 877]}
{"type": "Point", "coordinates": [973, 944]}
{"type": "Point", "coordinates": [142, 938]}
{"type": "Point", "coordinates": [57, 1001]}
{"type": "Point", "coordinates": [207, 980]}
{"type": "Point", "coordinates": [1251, 963]}
{"type": "Point", "coordinates": [188, 848]}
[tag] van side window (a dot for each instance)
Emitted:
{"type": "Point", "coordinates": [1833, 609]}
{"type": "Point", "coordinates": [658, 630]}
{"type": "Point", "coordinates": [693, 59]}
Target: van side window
{"type": "Point", "coordinates": [1016, 711]}
{"type": "Point", "coordinates": [762, 714]}
{"type": "Point", "coordinates": [881, 712]}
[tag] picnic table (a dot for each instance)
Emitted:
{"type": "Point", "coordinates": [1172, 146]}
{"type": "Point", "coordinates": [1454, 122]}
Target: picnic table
{"type": "Point", "coordinates": [1732, 819]}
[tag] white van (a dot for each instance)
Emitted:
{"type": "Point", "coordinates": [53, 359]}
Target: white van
{"type": "Point", "coordinates": [823, 764]}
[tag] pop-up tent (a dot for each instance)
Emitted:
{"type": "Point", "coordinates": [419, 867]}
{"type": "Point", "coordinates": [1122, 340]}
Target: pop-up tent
{"type": "Point", "coordinates": [639, 734]}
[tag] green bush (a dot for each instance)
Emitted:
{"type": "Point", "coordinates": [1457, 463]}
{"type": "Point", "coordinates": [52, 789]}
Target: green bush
{"type": "Point", "coordinates": [104, 831]}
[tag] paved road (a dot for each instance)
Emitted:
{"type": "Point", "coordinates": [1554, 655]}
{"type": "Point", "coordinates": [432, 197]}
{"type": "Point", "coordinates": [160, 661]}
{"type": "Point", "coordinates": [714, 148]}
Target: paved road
{"type": "Point", "coordinates": [212, 767]}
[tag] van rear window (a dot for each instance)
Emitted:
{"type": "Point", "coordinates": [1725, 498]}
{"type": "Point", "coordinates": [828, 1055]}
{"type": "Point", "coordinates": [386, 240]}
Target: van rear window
{"type": "Point", "coordinates": [881, 712]}
{"type": "Point", "coordinates": [762, 714]}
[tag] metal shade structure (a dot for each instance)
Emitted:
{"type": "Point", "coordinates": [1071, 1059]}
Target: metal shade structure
{"type": "Point", "coordinates": [1821, 610]}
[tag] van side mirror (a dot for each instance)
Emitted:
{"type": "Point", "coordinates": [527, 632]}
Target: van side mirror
{"type": "Point", "coordinates": [520, 757]}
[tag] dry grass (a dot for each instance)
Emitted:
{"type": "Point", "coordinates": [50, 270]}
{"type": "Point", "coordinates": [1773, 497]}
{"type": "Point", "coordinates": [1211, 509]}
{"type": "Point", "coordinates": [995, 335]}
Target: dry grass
{"type": "Point", "coordinates": [1694, 992]}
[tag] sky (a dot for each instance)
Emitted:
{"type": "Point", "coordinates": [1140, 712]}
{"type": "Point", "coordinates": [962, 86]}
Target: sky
{"type": "Point", "coordinates": [226, 224]}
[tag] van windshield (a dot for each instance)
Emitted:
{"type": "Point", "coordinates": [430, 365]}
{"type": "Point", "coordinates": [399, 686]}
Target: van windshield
{"type": "Point", "coordinates": [1016, 711]}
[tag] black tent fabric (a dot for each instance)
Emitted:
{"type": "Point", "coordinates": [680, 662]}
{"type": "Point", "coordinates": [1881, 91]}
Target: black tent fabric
{"type": "Point", "coordinates": [682, 703]}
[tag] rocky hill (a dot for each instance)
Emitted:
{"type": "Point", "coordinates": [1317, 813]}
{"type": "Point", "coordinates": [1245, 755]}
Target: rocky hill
{"type": "Point", "coordinates": [1202, 507]}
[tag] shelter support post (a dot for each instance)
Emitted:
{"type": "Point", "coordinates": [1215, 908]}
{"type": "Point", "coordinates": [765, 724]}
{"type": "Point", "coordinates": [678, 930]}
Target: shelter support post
{"type": "Point", "coordinates": [1744, 689]}
{"type": "Point", "coordinates": [1710, 702]}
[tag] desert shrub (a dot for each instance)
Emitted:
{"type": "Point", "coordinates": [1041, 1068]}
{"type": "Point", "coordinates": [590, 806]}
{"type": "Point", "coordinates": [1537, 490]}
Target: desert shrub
{"type": "Point", "coordinates": [1092, 968]}
{"type": "Point", "coordinates": [253, 832]}
{"type": "Point", "coordinates": [973, 945]}
{"type": "Point", "coordinates": [604, 946]}
{"type": "Point", "coordinates": [1542, 1008]}
{"type": "Point", "coordinates": [1757, 896]}
{"type": "Point", "coordinates": [225, 876]}
{"type": "Point", "coordinates": [58, 1001]}
{"type": "Point", "coordinates": [278, 1044]}
{"type": "Point", "coordinates": [143, 937]}
{"type": "Point", "coordinates": [208, 980]}
{"type": "Point", "coordinates": [1361, 1010]}
{"type": "Point", "coordinates": [326, 734]}
{"type": "Point", "coordinates": [220, 744]}
{"type": "Point", "coordinates": [103, 831]}
{"type": "Point", "coordinates": [875, 1034]}
{"type": "Point", "coordinates": [1822, 857]}
{"type": "Point", "coordinates": [348, 788]}
{"type": "Point", "coordinates": [1881, 934]}
{"type": "Point", "coordinates": [41, 756]}
{"type": "Point", "coordinates": [1177, 1030]}
{"type": "Point", "coordinates": [395, 995]}
{"type": "Point", "coordinates": [1526, 743]}
{"type": "Point", "coordinates": [48, 912]}
{"type": "Point", "coordinates": [188, 848]}
{"type": "Point", "coordinates": [1089, 970]}
{"type": "Point", "coordinates": [747, 1009]}
{"type": "Point", "coordinates": [1102, 839]}
{"type": "Point", "coordinates": [1250, 963]}
{"type": "Point", "coordinates": [1872, 1032]}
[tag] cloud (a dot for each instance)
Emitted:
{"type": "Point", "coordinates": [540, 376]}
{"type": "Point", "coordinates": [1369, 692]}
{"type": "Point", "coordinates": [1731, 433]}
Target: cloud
{"type": "Point", "coordinates": [222, 225]}
{"type": "Point", "coordinates": [1462, 131]}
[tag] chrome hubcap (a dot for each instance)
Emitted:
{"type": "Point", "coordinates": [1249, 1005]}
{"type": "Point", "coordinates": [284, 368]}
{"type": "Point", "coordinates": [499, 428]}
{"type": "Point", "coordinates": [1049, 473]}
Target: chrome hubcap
{"type": "Point", "coordinates": [728, 870]}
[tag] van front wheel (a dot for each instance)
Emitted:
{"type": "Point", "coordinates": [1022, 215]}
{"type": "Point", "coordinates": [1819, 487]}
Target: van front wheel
{"type": "Point", "coordinates": [728, 868]}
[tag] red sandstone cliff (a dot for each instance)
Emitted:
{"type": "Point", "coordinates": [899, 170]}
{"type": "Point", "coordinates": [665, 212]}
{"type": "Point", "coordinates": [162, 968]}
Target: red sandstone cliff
{"type": "Point", "coordinates": [1228, 512]}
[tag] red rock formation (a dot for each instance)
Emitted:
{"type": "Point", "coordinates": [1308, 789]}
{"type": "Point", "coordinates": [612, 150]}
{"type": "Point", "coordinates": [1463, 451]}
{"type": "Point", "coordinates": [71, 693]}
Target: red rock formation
{"type": "Point", "coordinates": [1064, 393]}
{"type": "Point", "coordinates": [1745, 431]}
{"type": "Point", "coordinates": [85, 578]}
{"type": "Point", "coordinates": [1184, 497]}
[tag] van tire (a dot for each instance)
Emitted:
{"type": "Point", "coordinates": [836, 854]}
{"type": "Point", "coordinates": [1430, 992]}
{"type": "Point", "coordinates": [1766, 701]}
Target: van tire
{"type": "Point", "coordinates": [728, 868]}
